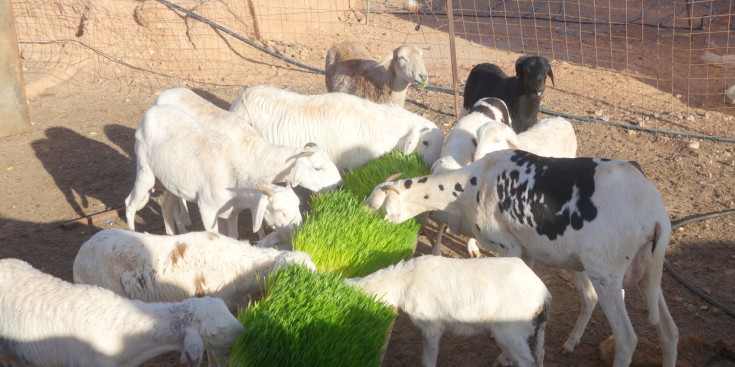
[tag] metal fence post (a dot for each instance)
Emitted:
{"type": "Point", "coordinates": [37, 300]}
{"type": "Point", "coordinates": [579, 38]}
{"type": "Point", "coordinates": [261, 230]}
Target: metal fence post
{"type": "Point", "coordinates": [13, 105]}
{"type": "Point", "coordinates": [453, 54]}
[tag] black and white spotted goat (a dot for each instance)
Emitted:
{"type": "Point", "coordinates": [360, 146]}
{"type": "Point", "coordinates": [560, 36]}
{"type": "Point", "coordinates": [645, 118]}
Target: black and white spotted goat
{"type": "Point", "coordinates": [600, 219]}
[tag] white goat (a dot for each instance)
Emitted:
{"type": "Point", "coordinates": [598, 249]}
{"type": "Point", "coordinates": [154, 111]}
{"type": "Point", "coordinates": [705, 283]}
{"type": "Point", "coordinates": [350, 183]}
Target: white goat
{"type": "Point", "coordinates": [602, 220]}
{"type": "Point", "coordinates": [308, 167]}
{"type": "Point", "coordinates": [550, 137]}
{"type": "Point", "coordinates": [350, 69]}
{"type": "Point", "coordinates": [352, 130]}
{"type": "Point", "coordinates": [171, 268]}
{"type": "Point", "coordinates": [199, 164]}
{"type": "Point", "coordinates": [49, 322]}
{"type": "Point", "coordinates": [469, 297]}
{"type": "Point", "coordinates": [458, 151]}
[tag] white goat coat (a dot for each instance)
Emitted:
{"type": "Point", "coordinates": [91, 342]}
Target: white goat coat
{"type": "Point", "coordinates": [352, 130]}
{"type": "Point", "coordinates": [458, 151]}
{"type": "Point", "coordinates": [49, 322]}
{"type": "Point", "coordinates": [468, 297]}
{"type": "Point", "coordinates": [198, 164]}
{"type": "Point", "coordinates": [550, 137]}
{"type": "Point", "coordinates": [308, 167]}
{"type": "Point", "coordinates": [171, 268]}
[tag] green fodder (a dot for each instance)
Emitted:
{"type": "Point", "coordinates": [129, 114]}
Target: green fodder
{"type": "Point", "coordinates": [312, 319]}
{"type": "Point", "coordinates": [362, 180]}
{"type": "Point", "coordinates": [344, 238]}
{"type": "Point", "coordinates": [315, 319]}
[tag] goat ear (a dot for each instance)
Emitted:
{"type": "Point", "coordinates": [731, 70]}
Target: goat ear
{"type": "Point", "coordinates": [392, 205]}
{"type": "Point", "coordinates": [193, 348]}
{"type": "Point", "coordinates": [386, 60]}
{"type": "Point", "coordinates": [297, 171]}
{"type": "Point", "coordinates": [413, 139]}
{"type": "Point", "coordinates": [259, 212]}
{"type": "Point", "coordinates": [519, 66]}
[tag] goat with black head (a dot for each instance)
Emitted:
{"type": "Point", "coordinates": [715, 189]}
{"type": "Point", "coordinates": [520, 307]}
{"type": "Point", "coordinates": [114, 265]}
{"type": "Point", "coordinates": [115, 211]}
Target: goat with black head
{"type": "Point", "coordinates": [521, 93]}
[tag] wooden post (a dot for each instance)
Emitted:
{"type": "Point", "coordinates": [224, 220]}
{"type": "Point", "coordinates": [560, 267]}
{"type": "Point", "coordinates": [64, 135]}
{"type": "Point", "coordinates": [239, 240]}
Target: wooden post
{"type": "Point", "coordinates": [13, 104]}
{"type": "Point", "coordinates": [453, 55]}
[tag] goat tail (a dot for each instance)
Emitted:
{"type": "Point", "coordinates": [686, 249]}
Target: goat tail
{"type": "Point", "coordinates": [652, 282]}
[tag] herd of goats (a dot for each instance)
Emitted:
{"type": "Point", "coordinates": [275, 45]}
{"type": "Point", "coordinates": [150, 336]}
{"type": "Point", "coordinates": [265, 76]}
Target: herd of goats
{"type": "Point", "coordinates": [500, 177]}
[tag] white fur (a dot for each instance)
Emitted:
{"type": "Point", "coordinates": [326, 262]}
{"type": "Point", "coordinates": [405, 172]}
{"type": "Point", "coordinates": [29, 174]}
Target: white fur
{"type": "Point", "coordinates": [198, 164]}
{"type": "Point", "coordinates": [350, 69]}
{"type": "Point", "coordinates": [171, 268]}
{"type": "Point", "coordinates": [49, 322]}
{"type": "Point", "coordinates": [550, 137]}
{"type": "Point", "coordinates": [352, 130]}
{"type": "Point", "coordinates": [458, 151]}
{"type": "Point", "coordinates": [308, 167]}
{"type": "Point", "coordinates": [606, 254]}
{"type": "Point", "coordinates": [468, 297]}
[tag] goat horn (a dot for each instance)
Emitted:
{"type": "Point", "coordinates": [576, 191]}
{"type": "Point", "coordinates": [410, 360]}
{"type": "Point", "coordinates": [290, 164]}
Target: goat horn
{"type": "Point", "coordinates": [390, 188]}
{"type": "Point", "coordinates": [393, 176]}
{"type": "Point", "coordinates": [266, 190]}
{"type": "Point", "coordinates": [310, 144]}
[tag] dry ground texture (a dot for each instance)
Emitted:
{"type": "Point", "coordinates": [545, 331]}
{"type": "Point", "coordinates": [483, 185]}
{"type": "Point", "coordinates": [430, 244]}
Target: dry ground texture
{"type": "Point", "coordinates": [78, 159]}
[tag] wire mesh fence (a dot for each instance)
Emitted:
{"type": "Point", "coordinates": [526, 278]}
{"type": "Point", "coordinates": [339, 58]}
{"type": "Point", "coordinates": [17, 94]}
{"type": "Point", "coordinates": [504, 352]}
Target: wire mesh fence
{"type": "Point", "coordinates": [681, 48]}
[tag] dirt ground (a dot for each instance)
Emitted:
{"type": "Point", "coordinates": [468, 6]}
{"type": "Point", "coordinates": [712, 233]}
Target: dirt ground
{"type": "Point", "coordinates": [78, 159]}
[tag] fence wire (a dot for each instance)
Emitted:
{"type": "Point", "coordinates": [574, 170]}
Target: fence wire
{"type": "Point", "coordinates": [680, 49]}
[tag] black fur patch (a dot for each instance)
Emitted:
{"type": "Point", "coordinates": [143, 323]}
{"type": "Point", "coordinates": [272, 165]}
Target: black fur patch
{"type": "Point", "coordinates": [407, 183]}
{"type": "Point", "coordinates": [485, 110]}
{"type": "Point", "coordinates": [426, 196]}
{"type": "Point", "coordinates": [557, 194]}
{"type": "Point", "coordinates": [423, 179]}
{"type": "Point", "coordinates": [473, 181]}
{"type": "Point", "coordinates": [441, 187]}
{"type": "Point", "coordinates": [458, 187]}
{"type": "Point", "coordinates": [485, 106]}
{"type": "Point", "coordinates": [426, 143]}
{"type": "Point", "coordinates": [455, 194]}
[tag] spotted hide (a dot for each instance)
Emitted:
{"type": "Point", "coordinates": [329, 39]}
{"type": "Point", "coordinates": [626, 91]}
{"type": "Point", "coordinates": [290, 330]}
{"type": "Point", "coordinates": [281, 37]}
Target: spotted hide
{"type": "Point", "coordinates": [547, 194]}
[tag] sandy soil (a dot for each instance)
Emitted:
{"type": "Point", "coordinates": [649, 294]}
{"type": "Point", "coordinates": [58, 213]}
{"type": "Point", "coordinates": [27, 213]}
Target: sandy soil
{"type": "Point", "coordinates": [78, 159]}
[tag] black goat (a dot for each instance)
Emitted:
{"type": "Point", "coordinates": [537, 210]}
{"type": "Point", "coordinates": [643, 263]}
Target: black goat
{"type": "Point", "coordinates": [522, 93]}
